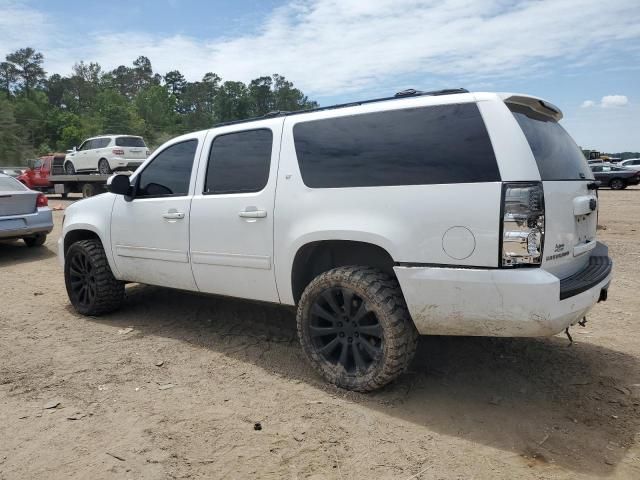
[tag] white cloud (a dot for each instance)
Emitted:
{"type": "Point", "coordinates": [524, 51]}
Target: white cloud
{"type": "Point", "coordinates": [333, 46]}
{"type": "Point", "coordinates": [609, 101]}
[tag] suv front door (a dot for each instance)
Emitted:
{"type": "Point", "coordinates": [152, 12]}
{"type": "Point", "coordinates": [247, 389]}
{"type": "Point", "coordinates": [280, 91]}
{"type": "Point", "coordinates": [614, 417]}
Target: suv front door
{"type": "Point", "coordinates": [231, 241]}
{"type": "Point", "coordinates": [150, 233]}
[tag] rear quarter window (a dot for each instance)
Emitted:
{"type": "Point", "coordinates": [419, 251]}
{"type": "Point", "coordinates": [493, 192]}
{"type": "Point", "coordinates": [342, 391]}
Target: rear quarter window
{"type": "Point", "coordinates": [557, 155]}
{"type": "Point", "coordinates": [417, 146]}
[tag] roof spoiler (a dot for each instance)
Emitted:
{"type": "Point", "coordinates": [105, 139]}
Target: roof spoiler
{"type": "Point", "coordinates": [536, 104]}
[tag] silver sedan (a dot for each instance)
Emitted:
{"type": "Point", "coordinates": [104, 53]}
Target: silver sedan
{"type": "Point", "coordinates": [24, 213]}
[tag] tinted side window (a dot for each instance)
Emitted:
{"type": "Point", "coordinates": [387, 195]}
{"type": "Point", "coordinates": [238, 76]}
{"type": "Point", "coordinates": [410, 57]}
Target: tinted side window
{"type": "Point", "coordinates": [169, 172]}
{"type": "Point", "coordinates": [557, 155]}
{"type": "Point", "coordinates": [239, 162]}
{"type": "Point", "coordinates": [100, 143]}
{"type": "Point", "coordinates": [418, 146]}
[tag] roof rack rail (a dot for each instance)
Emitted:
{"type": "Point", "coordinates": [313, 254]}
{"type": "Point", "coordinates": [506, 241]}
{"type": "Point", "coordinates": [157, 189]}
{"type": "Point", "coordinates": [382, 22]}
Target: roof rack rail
{"type": "Point", "coordinates": [410, 92]}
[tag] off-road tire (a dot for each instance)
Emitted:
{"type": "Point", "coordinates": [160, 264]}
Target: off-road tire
{"type": "Point", "coordinates": [36, 240]}
{"type": "Point", "coordinates": [109, 292]}
{"type": "Point", "coordinates": [384, 298]}
{"type": "Point", "coordinates": [69, 168]}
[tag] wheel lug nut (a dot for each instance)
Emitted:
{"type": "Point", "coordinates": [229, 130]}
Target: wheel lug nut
{"type": "Point", "coordinates": [341, 334]}
{"type": "Point", "coordinates": [339, 324]}
{"type": "Point", "coordinates": [350, 339]}
{"type": "Point", "coordinates": [356, 334]}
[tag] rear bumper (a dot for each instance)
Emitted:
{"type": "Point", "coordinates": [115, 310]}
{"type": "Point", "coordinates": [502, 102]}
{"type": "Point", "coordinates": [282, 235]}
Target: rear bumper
{"type": "Point", "coordinates": [500, 302]}
{"type": "Point", "coordinates": [121, 163]}
{"type": "Point", "coordinates": [18, 226]}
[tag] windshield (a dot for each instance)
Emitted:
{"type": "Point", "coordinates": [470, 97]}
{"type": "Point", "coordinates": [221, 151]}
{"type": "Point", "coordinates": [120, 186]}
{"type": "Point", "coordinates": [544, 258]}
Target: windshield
{"type": "Point", "coordinates": [130, 142]}
{"type": "Point", "coordinates": [557, 155]}
{"type": "Point", "coordinates": [8, 184]}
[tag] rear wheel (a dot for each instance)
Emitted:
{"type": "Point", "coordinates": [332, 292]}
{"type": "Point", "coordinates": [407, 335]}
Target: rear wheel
{"type": "Point", "coordinates": [103, 167]}
{"type": "Point", "coordinates": [36, 240]}
{"type": "Point", "coordinates": [355, 328]}
{"type": "Point", "coordinates": [69, 168]}
{"type": "Point", "coordinates": [617, 184]}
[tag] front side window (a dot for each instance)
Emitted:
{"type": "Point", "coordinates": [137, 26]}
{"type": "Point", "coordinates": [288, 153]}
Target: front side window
{"type": "Point", "coordinates": [169, 172]}
{"type": "Point", "coordinates": [239, 162]}
{"type": "Point", "coordinates": [416, 146]}
{"type": "Point", "coordinates": [84, 145]}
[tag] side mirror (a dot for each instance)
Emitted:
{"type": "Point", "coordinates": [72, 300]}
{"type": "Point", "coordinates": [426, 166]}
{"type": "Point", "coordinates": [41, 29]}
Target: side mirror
{"type": "Point", "coordinates": [74, 149]}
{"type": "Point", "coordinates": [120, 185]}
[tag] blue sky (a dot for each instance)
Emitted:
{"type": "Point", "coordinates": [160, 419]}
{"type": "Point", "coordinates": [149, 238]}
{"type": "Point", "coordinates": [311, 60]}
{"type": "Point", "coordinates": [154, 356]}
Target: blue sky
{"type": "Point", "coordinates": [582, 55]}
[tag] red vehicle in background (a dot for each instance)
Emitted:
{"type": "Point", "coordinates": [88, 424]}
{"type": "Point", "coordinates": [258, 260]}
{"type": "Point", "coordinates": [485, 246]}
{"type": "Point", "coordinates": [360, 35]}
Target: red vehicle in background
{"type": "Point", "coordinates": [47, 175]}
{"type": "Point", "coordinates": [38, 173]}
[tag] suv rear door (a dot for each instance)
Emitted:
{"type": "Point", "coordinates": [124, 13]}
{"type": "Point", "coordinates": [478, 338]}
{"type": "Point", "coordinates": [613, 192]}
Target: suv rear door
{"type": "Point", "coordinates": [232, 211]}
{"type": "Point", "coordinates": [569, 195]}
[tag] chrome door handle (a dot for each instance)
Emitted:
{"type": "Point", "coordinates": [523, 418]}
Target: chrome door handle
{"type": "Point", "coordinates": [253, 214]}
{"type": "Point", "coordinates": [173, 215]}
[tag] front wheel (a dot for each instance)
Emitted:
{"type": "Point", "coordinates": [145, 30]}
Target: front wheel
{"type": "Point", "coordinates": [355, 328]}
{"type": "Point", "coordinates": [69, 168]}
{"type": "Point", "coordinates": [617, 184]}
{"type": "Point", "coordinates": [91, 286]}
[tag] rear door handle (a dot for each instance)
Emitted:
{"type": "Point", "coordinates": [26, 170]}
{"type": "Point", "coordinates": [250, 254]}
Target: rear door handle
{"type": "Point", "coordinates": [253, 213]}
{"type": "Point", "coordinates": [173, 215]}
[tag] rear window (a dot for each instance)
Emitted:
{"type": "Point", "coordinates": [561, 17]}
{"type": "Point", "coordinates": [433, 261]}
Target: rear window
{"type": "Point", "coordinates": [130, 142]}
{"type": "Point", "coordinates": [417, 146]}
{"type": "Point", "coordinates": [8, 184]}
{"type": "Point", "coordinates": [557, 155]}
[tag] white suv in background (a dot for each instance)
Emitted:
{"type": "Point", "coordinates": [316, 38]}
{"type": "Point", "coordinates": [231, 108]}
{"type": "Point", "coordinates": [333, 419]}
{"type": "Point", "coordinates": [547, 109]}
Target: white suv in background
{"type": "Point", "coordinates": [433, 213]}
{"type": "Point", "coordinates": [106, 154]}
{"type": "Point", "coordinates": [632, 163]}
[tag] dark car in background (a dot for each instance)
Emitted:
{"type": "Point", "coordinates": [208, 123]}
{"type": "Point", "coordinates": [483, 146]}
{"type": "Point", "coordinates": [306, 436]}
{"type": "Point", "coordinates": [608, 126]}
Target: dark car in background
{"type": "Point", "coordinates": [615, 177]}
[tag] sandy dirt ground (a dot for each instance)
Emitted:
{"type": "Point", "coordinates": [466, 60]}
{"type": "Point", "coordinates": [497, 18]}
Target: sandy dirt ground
{"type": "Point", "coordinates": [174, 384]}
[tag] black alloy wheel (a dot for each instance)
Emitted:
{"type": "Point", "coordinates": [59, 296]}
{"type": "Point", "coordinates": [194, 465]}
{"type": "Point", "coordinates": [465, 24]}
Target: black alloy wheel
{"type": "Point", "coordinates": [355, 328]}
{"type": "Point", "coordinates": [345, 331]}
{"type": "Point", "coordinates": [82, 281]}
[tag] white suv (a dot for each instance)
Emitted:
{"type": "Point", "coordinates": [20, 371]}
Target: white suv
{"type": "Point", "coordinates": [106, 154]}
{"type": "Point", "coordinates": [447, 213]}
{"type": "Point", "coordinates": [632, 163]}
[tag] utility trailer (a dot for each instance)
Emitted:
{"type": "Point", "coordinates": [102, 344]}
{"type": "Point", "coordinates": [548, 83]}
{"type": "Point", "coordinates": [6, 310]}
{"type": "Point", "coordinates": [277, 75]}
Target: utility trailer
{"type": "Point", "coordinates": [87, 184]}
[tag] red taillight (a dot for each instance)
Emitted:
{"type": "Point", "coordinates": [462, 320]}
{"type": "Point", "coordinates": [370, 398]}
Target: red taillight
{"type": "Point", "coordinates": [42, 200]}
{"type": "Point", "coordinates": [117, 151]}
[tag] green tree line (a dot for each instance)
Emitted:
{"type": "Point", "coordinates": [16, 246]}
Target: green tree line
{"type": "Point", "coordinates": [41, 113]}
